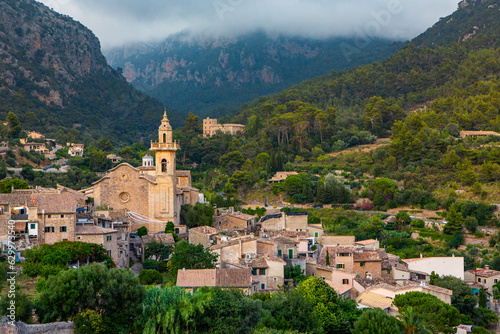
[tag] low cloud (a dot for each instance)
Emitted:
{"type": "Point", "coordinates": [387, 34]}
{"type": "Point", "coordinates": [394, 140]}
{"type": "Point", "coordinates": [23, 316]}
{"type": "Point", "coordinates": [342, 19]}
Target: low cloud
{"type": "Point", "coordinates": [118, 22]}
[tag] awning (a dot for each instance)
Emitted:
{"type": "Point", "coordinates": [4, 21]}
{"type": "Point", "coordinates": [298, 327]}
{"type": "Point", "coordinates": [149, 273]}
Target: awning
{"type": "Point", "coordinates": [20, 227]}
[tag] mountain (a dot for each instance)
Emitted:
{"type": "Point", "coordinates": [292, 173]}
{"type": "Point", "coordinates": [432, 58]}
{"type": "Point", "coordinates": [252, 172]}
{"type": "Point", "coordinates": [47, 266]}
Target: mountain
{"type": "Point", "coordinates": [433, 65]}
{"type": "Point", "coordinates": [55, 78]}
{"type": "Point", "coordinates": [472, 18]}
{"type": "Point", "coordinates": [209, 75]}
{"type": "Point", "coordinates": [347, 108]}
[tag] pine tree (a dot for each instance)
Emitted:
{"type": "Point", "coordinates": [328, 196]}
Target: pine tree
{"type": "Point", "coordinates": [454, 221]}
{"type": "Point", "coordinates": [327, 258]}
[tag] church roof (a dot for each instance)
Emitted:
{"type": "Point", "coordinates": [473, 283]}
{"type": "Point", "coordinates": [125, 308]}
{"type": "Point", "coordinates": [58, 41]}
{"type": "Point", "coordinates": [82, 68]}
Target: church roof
{"type": "Point", "coordinates": [147, 156]}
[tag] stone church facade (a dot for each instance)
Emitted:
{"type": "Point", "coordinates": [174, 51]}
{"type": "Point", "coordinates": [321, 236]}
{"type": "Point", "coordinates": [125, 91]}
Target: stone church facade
{"type": "Point", "coordinates": [155, 190]}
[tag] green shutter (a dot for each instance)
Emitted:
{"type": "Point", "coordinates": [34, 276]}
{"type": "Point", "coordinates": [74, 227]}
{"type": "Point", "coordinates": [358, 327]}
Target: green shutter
{"type": "Point", "coordinates": [279, 252]}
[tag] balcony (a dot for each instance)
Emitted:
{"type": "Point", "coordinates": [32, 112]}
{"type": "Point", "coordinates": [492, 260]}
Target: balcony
{"type": "Point", "coordinates": [19, 217]}
{"type": "Point", "coordinates": [164, 146]}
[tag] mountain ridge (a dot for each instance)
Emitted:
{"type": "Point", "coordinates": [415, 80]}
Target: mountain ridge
{"type": "Point", "coordinates": [223, 71]}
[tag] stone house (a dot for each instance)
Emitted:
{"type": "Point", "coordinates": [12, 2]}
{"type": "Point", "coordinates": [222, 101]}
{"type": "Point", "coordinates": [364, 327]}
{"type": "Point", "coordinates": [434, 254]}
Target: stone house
{"type": "Point", "coordinates": [292, 221]}
{"type": "Point", "coordinates": [235, 249]}
{"type": "Point", "coordinates": [204, 235]}
{"type": "Point", "coordinates": [341, 281]}
{"type": "Point", "coordinates": [37, 147]}
{"type": "Point", "coordinates": [486, 277]}
{"type": "Point", "coordinates": [364, 263]}
{"type": "Point", "coordinates": [107, 237]}
{"type": "Point", "coordinates": [235, 221]}
{"type": "Point", "coordinates": [281, 176]}
{"type": "Point", "coordinates": [193, 279]}
{"type": "Point", "coordinates": [368, 244]}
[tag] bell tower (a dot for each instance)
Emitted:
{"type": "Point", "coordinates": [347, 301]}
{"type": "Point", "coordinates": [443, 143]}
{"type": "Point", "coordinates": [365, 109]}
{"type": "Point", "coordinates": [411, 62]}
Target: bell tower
{"type": "Point", "coordinates": [164, 196]}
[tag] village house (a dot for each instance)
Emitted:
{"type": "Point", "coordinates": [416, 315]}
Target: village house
{"type": "Point", "coordinates": [268, 271]}
{"type": "Point", "coordinates": [114, 158]}
{"type": "Point", "coordinates": [37, 147]}
{"type": "Point", "coordinates": [341, 281]}
{"type": "Point", "coordinates": [203, 235]}
{"type": "Point", "coordinates": [291, 221]}
{"type": "Point", "coordinates": [453, 266]}
{"type": "Point", "coordinates": [485, 277]}
{"type": "Point", "coordinates": [364, 263]}
{"type": "Point", "coordinates": [235, 221]}
{"type": "Point", "coordinates": [162, 238]}
{"type": "Point", "coordinates": [370, 244]}
{"type": "Point", "coordinates": [465, 134]}
{"type": "Point", "coordinates": [193, 279]}
{"type": "Point", "coordinates": [281, 176]}
{"type": "Point", "coordinates": [51, 215]}
{"type": "Point", "coordinates": [211, 127]}
{"type": "Point", "coordinates": [75, 151]}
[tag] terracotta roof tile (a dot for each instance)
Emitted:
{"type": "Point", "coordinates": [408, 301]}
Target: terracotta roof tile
{"type": "Point", "coordinates": [224, 278]}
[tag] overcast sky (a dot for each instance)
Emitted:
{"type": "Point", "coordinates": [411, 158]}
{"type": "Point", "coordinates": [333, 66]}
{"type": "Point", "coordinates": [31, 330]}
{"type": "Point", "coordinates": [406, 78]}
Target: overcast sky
{"type": "Point", "coordinates": [118, 22]}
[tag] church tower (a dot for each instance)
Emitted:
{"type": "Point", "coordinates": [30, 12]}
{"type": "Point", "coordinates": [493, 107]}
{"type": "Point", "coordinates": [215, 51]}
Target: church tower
{"type": "Point", "coordinates": [164, 196]}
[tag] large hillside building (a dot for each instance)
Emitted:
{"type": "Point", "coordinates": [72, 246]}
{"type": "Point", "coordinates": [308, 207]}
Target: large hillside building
{"type": "Point", "coordinates": [155, 190]}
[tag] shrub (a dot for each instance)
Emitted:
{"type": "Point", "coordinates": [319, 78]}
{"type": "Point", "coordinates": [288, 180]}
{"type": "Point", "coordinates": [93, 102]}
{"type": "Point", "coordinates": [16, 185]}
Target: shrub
{"type": "Point", "coordinates": [418, 223]}
{"type": "Point", "coordinates": [90, 322]}
{"type": "Point", "coordinates": [150, 276]}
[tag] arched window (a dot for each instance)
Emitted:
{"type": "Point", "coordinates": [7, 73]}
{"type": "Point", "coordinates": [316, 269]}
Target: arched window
{"type": "Point", "coordinates": [164, 137]}
{"type": "Point", "coordinates": [164, 165]}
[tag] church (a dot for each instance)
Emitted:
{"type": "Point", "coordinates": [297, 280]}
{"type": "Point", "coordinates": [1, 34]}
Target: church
{"type": "Point", "coordinates": [156, 190]}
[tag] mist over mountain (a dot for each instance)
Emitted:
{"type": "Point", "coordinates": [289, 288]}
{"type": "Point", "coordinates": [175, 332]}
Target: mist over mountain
{"type": "Point", "coordinates": [211, 75]}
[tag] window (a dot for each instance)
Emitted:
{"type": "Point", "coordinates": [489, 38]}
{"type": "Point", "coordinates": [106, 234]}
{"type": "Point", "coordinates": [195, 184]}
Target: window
{"type": "Point", "coordinates": [496, 280]}
{"type": "Point", "coordinates": [109, 253]}
{"type": "Point", "coordinates": [62, 216]}
{"type": "Point", "coordinates": [388, 271]}
{"type": "Point", "coordinates": [109, 238]}
{"type": "Point", "coordinates": [279, 252]}
{"type": "Point", "coordinates": [164, 137]}
{"type": "Point", "coordinates": [78, 238]}
{"type": "Point", "coordinates": [262, 286]}
{"type": "Point", "coordinates": [32, 226]}
{"type": "Point", "coordinates": [361, 264]}
{"type": "Point", "coordinates": [176, 231]}
{"type": "Point", "coordinates": [316, 234]}
{"type": "Point", "coordinates": [275, 279]}
{"type": "Point", "coordinates": [344, 254]}
{"type": "Point", "coordinates": [164, 165]}
{"type": "Point", "coordinates": [63, 229]}
{"type": "Point", "coordinates": [49, 216]}
{"type": "Point", "coordinates": [340, 266]}
{"type": "Point", "coordinates": [479, 280]}
{"type": "Point", "coordinates": [49, 229]}
{"type": "Point", "coordinates": [254, 271]}
{"type": "Point", "coordinates": [262, 271]}
{"type": "Point", "coordinates": [345, 281]}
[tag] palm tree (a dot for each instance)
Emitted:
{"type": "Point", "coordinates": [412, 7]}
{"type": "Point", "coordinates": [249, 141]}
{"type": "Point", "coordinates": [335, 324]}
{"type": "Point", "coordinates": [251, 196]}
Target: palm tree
{"type": "Point", "coordinates": [411, 322]}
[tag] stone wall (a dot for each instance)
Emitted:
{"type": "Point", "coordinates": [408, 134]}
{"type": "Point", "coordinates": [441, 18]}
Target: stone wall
{"type": "Point", "coordinates": [334, 240]}
{"type": "Point", "coordinates": [52, 328]}
{"type": "Point", "coordinates": [296, 223]}
{"type": "Point", "coordinates": [57, 221]}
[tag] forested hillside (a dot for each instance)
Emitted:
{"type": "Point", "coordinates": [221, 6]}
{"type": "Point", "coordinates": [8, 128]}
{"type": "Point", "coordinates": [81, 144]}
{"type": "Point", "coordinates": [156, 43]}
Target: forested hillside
{"type": "Point", "coordinates": [212, 76]}
{"type": "Point", "coordinates": [421, 97]}
{"type": "Point", "coordinates": [54, 77]}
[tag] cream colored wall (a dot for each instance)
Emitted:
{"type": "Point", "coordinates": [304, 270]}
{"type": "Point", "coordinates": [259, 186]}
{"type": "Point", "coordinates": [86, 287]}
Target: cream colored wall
{"type": "Point", "coordinates": [399, 275]}
{"type": "Point", "coordinates": [296, 223]}
{"type": "Point", "coordinates": [442, 266]}
{"type": "Point", "coordinates": [275, 274]}
{"type": "Point", "coordinates": [333, 240]}
{"type": "Point", "coordinates": [267, 249]}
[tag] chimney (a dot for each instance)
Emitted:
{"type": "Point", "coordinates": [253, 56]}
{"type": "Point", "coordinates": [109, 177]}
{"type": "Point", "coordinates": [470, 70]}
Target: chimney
{"type": "Point", "coordinates": [183, 269]}
{"type": "Point", "coordinates": [421, 256]}
{"type": "Point", "coordinates": [487, 267]}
